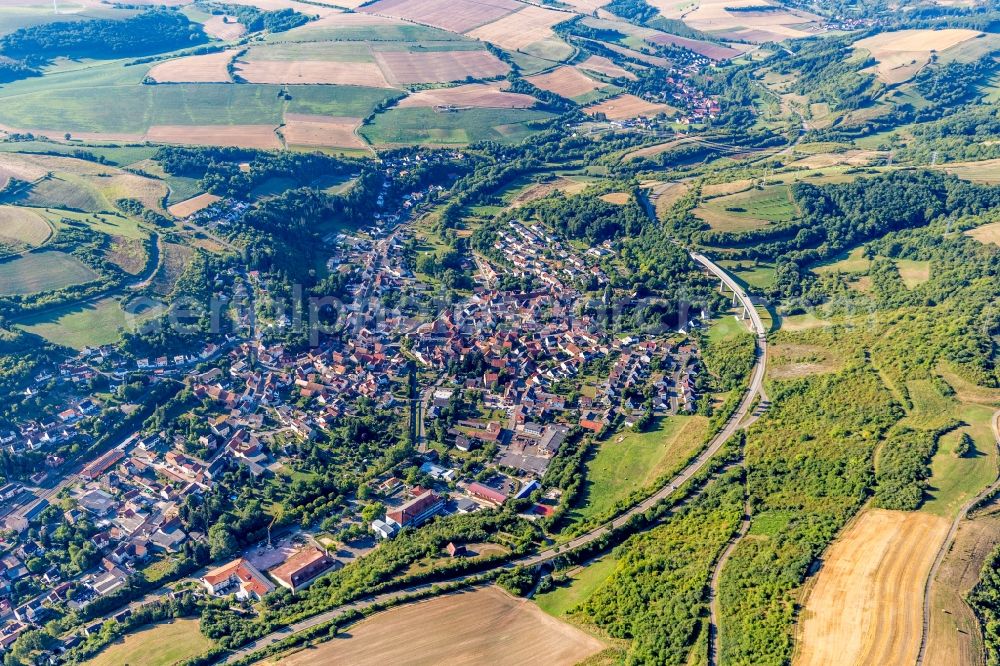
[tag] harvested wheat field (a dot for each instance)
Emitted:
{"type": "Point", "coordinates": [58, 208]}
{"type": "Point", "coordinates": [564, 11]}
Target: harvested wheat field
{"type": "Point", "coordinates": [707, 49]}
{"type": "Point", "coordinates": [302, 129]}
{"type": "Point", "coordinates": [722, 189]}
{"type": "Point", "coordinates": [626, 107]}
{"type": "Point", "coordinates": [475, 95]}
{"type": "Point", "coordinates": [616, 198]}
{"type": "Point", "coordinates": [866, 605]}
{"type": "Point", "coordinates": [22, 228]}
{"type": "Point", "coordinates": [308, 9]}
{"type": "Point", "coordinates": [586, 6]}
{"type": "Point", "coordinates": [210, 68]}
{"type": "Point", "coordinates": [312, 71]}
{"type": "Point", "coordinates": [654, 150]}
{"type": "Point", "coordinates": [518, 30]}
{"type": "Point", "coordinates": [487, 626]}
{"type": "Point", "coordinates": [243, 136]}
{"type": "Point", "coordinates": [903, 53]}
{"type": "Point", "coordinates": [191, 206]}
{"type": "Point", "coordinates": [451, 15]}
{"type": "Point", "coordinates": [788, 360]}
{"type": "Point", "coordinates": [225, 28]}
{"type": "Point", "coordinates": [664, 195]}
{"type": "Point", "coordinates": [404, 67]}
{"type": "Point", "coordinates": [983, 171]}
{"type": "Point", "coordinates": [537, 191]}
{"type": "Point", "coordinates": [848, 157]}
{"type": "Point", "coordinates": [988, 233]}
{"type": "Point", "coordinates": [954, 636]}
{"type": "Point", "coordinates": [16, 166]}
{"type": "Point", "coordinates": [604, 66]}
{"type": "Point", "coordinates": [565, 81]}
{"type": "Point", "coordinates": [769, 24]}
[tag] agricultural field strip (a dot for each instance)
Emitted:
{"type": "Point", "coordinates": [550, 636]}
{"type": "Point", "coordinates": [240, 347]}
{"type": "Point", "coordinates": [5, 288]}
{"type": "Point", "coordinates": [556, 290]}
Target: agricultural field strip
{"type": "Point", "coordinates": [731, 427]}
{"type": "Point", "coordinates": [946, 546]}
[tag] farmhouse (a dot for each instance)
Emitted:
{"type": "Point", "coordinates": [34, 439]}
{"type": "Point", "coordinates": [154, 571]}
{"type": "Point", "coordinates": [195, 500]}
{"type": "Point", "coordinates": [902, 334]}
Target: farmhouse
{"type": "Point", "coordinates": [239, 574]}
{"type": "Point", "coordinates": [302, 568]}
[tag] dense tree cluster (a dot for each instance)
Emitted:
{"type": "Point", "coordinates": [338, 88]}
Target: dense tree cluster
{"type": "Point", "coordinates": [154, 31]}
{"type": "Point", "coordinates": [809, 466]}
{"type": "Point", "coordinates": [236, 172]}
{"type": "Point", "coordinates": [903, 467]}
{"type": "Point", "coordinates": [985, 601]}
{"type": "Point", "coordinates": [590, 218]}
{"type": "Point", "coordinates": [836, 218]}
{"type": "Point", "coordinates": [655, 596]}
{"type": "Point", "coordinates": [829, 70]}
{"type": "Point", "coordinates": [255, 19]}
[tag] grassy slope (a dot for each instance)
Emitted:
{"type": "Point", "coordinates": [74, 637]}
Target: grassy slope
{"type": "Point", "coordinates": [41, 271]}
{"type": "Point", "coordinates": [92, 324]}
{"type": "Point", "coordinates": [621, 467]}
{"type": "Point", "coordinates": [160, 645]}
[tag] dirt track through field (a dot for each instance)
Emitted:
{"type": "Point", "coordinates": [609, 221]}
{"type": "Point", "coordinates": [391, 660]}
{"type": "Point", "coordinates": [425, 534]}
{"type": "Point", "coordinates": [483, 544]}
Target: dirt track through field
{"type": "Point", "coordinates": [487, 626]}
{"type": "Point", "coordinates": [867, 602]}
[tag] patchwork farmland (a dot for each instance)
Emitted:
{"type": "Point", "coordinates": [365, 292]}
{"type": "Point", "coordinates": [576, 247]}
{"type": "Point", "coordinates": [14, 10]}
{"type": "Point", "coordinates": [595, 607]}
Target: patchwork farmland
{"type": "Point", "coordinates": [332, 81]}
{"type": "Point", "coordinates": [902, 54]}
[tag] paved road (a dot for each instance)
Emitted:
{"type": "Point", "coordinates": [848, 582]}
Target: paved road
{"type": "Point", "coordinates": [734, 424]}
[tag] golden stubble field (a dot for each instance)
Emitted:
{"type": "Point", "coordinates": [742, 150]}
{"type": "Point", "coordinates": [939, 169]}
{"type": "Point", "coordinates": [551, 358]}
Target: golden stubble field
{"type": "Point", "coordinates": [901, 54]}
{"type": "Point", "coordinates": [565, 81]}
{"type": "Point", "coordinates": [487, 626]}
{"type": "Point", "coordinates": [627, 107]}
{"type": "Point", "coordinates": [474, 95]}
{"type": "Point", "coordinates": [866, 603]}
